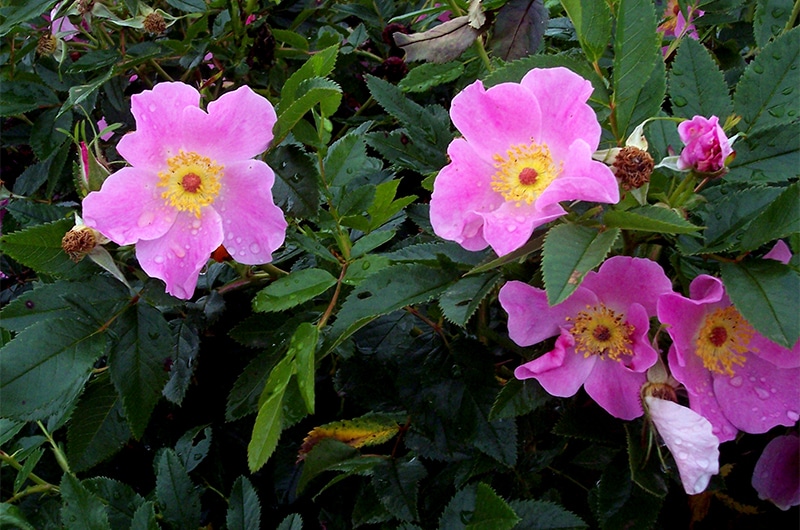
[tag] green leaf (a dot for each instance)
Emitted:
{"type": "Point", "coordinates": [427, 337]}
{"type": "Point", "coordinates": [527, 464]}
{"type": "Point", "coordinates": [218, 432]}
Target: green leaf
{"type": "Point", "coordinates": [696, 85]}
{"type": "Point", "coordinates": [145, 517]}
{"type": "Point", "coordinates": [767, 155]}
{"type": "Point", "coordinates": [20, 96]}
{"type": "Point", "coordinates": [186, 345]}
{"type": "Point", "coordinates": [370, 242]}
{"type": "Point", "coordinates": [570, 251]}
{"type": "Point", "coordinates": [463, 298]}
{"type": "Point", "coordinates": [766, 294]}
{"type": "Point", "coordinates": [98, 428]}
{"type": "Point", "coordinates": [244, 508]}
{"type": "Point", "coordinates": [592, 21]}
{"type": "Point", "coordinates": [190, 453]}
{"type": "Point", "coordinates": [385, 206]}
{"type": "Point", "coordinates": [179, 501]}
{"type": "Point", "coordinates": [316, 91]}
{"type": "Point", "coordinates": [318, 65]}
{"type": "Point", "coordinates": [396, 483]}
{"type": "Point", "coordinates": [345, 160]}
{"type": "Point", "coordinates": [649, 219]}
{"type": "Point", "coordinates": [12, 515]}
{"type": "Point", "coordinates": [51, 301]}
{"type": "Point", "coordinates": [428, 75]}
{"type": "Point", "coordinates": [766, 94]}
{"type": "Point", "coordinates": [780, 219]}
{"type": "Point", "coordinates": [269, 421]}
{"type": "Point", "coordinates": [323, 456]}
{"type": "Point", "coordinates": [137, 362]}
{"type": "Point", "coordinates": [298, 287]}
{"type": "Point", "coordinates": [303, 345]}
{"type": "Point", "coordinates": [383, 292]}
{"type": "Point", "coordinates": [79, 93]}
{"type": "Point", "coordinates": [646, 470]}
{"type": "Point", "coordinates": [39, 247]}
{"type": "Point", "coordinates": [363, 267]}
{"type": "Point", "coordinates": [292, 522]}
{"type": "Point", "coordinates": [619, 503]}
{"type": "Point", "coordinates": [45, 136]}
{"type": "Point", "coordinates": [9, 429]}
{"type": "Point", "coordinates": [728, 218]}
{"type": "Point", "coordinates": [22, 13]}
{"type": "Point", "coordinates": [519, 28]}
{"type": "Point", "coordinates": [518, 397]}
{"type": "Point", "coordinates": [80, 508]}
{"type": "Point", "coordinates": [770, 19]}
{"type": "Point", "coordinates": [636, 52]}
{"type": "Point", "coordinates": [30, 462]}
{"type": "Point", "coordinates": [60, 353]}
{"type": "Point", "coordinates": [544, 515]}
{"type": "Point", "coordinates": [94, 60]}
{"type": "Point", "coordinates": [189, 6]}
{"type": "Point", "coordinates": [121, 500]}
{"type": "Point", "coordinates": [478, 507]}
{"type": "Point", "coordinates": [295, 190]}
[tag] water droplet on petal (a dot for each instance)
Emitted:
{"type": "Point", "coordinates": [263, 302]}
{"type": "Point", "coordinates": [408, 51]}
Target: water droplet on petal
{"type": "Point", "coordinates": [736, 381]}
{"type": "Point", "coordinates": [254, 248]}
{"type": "Point", "coordinates": [159, 259]}
{"type": "Point", "coordinates": [146, 218]}
{"type": "Point", "coordinates": [761, 393]}
{"type": "Point", "coordinates": [792, 415]}
{"type": "Point", "coordinates": [194, 232]}
{"type": "Point", "coordinates": [152, 107]}
{"type": "Point", "coordinates": [196, 223]}
{"type": "Point", "coordinates": [702, 463]}
{"type": "Point", "coordinates": [683, 455]}
{"type": "Point", "coordinates": [178, 250]}
{"type": "Point", "coordinates": [238, 239]}
{"type": "Point", "coordinates": [229, 236]}
{"type": "Point", "coordinates": [678, 441]}
{"type": "Point", "coordinates": [511, 228]}
{"type": "Point", "coordinates": [242, 253]}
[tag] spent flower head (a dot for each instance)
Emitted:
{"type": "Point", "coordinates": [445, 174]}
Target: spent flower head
{"type": "Point", "coordinates": [192, 185]}
{"type": "Point", "coordinates": [525, 148]}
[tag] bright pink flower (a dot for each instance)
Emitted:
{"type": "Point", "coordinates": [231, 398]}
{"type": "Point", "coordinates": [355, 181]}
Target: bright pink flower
{"type": "Point", "coordinates": [689, 438]}
{"type": "Point", "coordinates": [735, 377]}
{"type": "Point", "coordinates": [776, 477]}
{"type": "Point", "coordinates": [193, 184]}
{"type": "Point", "coordinates": [525, 148]}
{"type": "Point", "coordinates": [676, 25]}
{"type": "Point", "coordinates": [102, 124]}
{"type": "Point", "coordinates": [61, 27]}
{"type": "Point", "coordinates": [707, 147]}
{"type": "Point", "coordinates": [602, 331]}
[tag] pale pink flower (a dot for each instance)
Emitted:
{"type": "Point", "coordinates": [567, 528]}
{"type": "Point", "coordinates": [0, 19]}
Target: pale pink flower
{"type": "Point", "coordinates": [707, 146]}
{"type": "Point", "coordinates": [61, 27]}
{"type": "Point", "coordinates": [676, 25]}
{"type": "Point", "coordinates": [602, 329]}
{"type": "Point", "coordinates": [526, 147]}
{"type": "Point", "coordinates": [193, 184]}
{"type": "Point", "coordinates": [101, 125]}
{"type": "Point", "coordinates": [776, 477]}
{"type": "Point", "coordinates": [689, 438]}
{"type": "Point", "coordinates": [735, 377]}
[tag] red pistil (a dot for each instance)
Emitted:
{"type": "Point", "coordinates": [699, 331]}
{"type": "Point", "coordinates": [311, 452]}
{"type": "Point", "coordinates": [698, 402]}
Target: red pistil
{"type": "Point", "coordinates": [528, 176]}
{"type": "Point", "coordinates": [602, 333]}
{"type": "Point", "coordinates": [191, 182]}
{"type": "Point", "coordinates": [718, 336]}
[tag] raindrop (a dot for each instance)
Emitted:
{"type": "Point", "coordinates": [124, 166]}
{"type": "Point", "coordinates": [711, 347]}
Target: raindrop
{"type": "Point", "coordinates": [511, 228]}
{"type": "Point", "coordinates": [159, 259]}
{"type": "Point", "coordinates": [761, 393]}
{"type": "Point", "coordinates": [678, 441]}
{"type": "Point", "coordinates": [778, 12]}
{"type": "Point", "coordinates": [152, 108]}
{"type": "Point", "coordinates": [238, 239]}
{"type": "Point", "coordinates": [29, 304]}
{"type": "Point", "coordinates": [196, 223]}
{"type": "Point", "coordinates": [757, 68]}
{"type": "Point", "coordinates": [683, 455]}
{"type": "Point", "coordinates": [242, 252]}
{"type": "Point", "coordinates": [777, 111]}
{"type": "Point", "coordinates": [146, 218]}
{"type": "Point", "coordinates": [230, 235]}
{"type": "Point", "coordinates": [788, 90]}
{"type": "Point", "coordinates": [679, 101]}
{"type": "Point", "coordinates": [736, 381]}
{"type": "Point", "coordinates": [365, 265]}
{"type": "Point", "coordinates": [194, 232]}
{"type": "Point", "coordinates": [792, 415]}
{"type": "Point", "coordinates": [254, 248]}
{"type": "Point", "coordinates": [702, 462]}
{"type": "Point", "coordinates": [198, 456]}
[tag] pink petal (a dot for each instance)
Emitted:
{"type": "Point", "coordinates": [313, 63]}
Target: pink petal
{"type": "Point", "coordinates": [237, 126]}
{"type": "Point", "coordinates": [495, 119]}
{"type": "Point", "coordinates": [615, 388]}
{"type": "Point", "coordinates": [779, 252]}
{"type": "Point", "coordinates": [179, 256]}
{"type": "Point", "coordinates": [775, 354]}
{"type": "Point", "coordinates": [159, 115]}
{"type": "Point", "coordinates": [510, 226]}
{"type": "Point", "coordinates": [644, 355]}
{"type": "Point", "coordinates": [561, 372]}
{"type": "Point", "coordinates": [582, 179]}
{"type": "Point", "coordinates": [128, 207]}
{"type": "Point", "coordinates": [688, 437]}
{"type": "Point", "coordinates": [461, 191]}
{"type": "Point", "coordinates": [254, 226]}
{"type": "Point", "coordinates": [759, 396]}
{"type": "Point", "coordinates": [683, 318]}
{"type": "Point", "coordinates": [644, 282]}
{"type": "Point", "coordinates": [565, 114]}
{"type": "Point", "coordinates": [531, 319]}
{"type": "Point", "coordinates": [776, 477]}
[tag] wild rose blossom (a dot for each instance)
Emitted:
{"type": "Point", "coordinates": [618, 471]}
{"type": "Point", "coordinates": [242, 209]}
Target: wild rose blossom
{"type": "Point", "coordinates": [526, 147]}
{"type": "Point", "coordinates": [689, 438]}
{"type": "Point", "coordinates": [735, 377]}
{"type": "Point", "coordinates": [602, 329]}
{"type": "Point", "coordinates": [676, 25]}
{"type": "Point", "coordinates": [776, 477]}
{"type": "Point", "coordinates": [193, 184]}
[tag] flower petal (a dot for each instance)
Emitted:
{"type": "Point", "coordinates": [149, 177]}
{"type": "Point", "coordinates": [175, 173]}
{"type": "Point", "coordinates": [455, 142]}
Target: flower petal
{"type": "Point", "coordinates": [582, 179]}
{"type": "Point", "coordinates": [181, 253]}
{"type": "Point", "coordinates": [616, 388]}
{"type": "Point", "coordinates": [254, 226]}
{"type": "Point", "coordinates": [510, 226]}
{"type": "Point", "coordinates": [159, 115]}
{"type": "Point", "coordinates": [776, 476]}
{"type": "Point", "coordinates": [561, 372]}
{"type": "Point", "coordinates": [508, 114]}
{"type": "Point", "coordinates": [688, 437]}
{"type": "Point", "coordinates": [237, 126]}
{"type": "Point", "coordinates": [643, 279]}
{"type": "Point", "coordinates": [128, 207]}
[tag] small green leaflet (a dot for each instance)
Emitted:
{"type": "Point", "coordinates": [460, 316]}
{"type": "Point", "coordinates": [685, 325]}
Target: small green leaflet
{"type": "Point", "coordinates": [298, 287]}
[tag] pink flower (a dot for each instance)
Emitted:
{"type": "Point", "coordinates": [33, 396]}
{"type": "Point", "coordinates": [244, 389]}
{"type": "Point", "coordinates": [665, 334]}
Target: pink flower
{"type": "Point", "coordinates": [735, 377]}
{"type": "Point", "coordinates": [193, 184]}
{"type": "Point", "coordinates": [707, 147]}
{"type": "Point", "coordinates": [525, 148]}
{"type": "Point", "coordinates": [101, 125]}
{"type": "Point", "coordinates": [676, 25]}
{"type": "Point", "coordinates": [602, 330]}
{"type": "Point", "coordinates": [61, 27]}
{"type": "Point", "coordinates": [776, 477]}
{"type": "Point", "coordinates": [688, 437]}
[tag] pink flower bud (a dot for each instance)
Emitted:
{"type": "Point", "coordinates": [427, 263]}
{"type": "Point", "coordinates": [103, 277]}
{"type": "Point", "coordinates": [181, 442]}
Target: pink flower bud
{"type": "Point", "coordinates": [707, 147]}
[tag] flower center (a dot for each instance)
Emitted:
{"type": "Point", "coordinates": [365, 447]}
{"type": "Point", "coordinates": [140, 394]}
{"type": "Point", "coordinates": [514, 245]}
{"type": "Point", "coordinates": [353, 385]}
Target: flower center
{"type": "Point", "coordinates": [601, 331]}
{"type": "Point", "coordinates": [524, 173]}
{"type": "Point", "coordinates": [723, 340]}
{"type": "Point", "coordinates": [191, 182]}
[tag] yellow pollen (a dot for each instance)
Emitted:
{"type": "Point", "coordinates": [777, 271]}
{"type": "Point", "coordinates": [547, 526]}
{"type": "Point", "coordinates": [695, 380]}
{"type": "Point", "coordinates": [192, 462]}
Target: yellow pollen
{"type": "Point", "coordinates": [191, 182]}
{"type": "Point", "coordinates": [724, 340]}
{"type": "Point", "coordinates": [524, 173]}
{"type": "Point", "coordinates": [601, 331]}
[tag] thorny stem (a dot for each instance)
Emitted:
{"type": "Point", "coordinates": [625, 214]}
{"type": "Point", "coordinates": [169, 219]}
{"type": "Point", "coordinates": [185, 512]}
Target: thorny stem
{"type": "Point", "coordinates": [42, 488]}
{"type": "Point", "coordinates": [334, 299]}
{"type": "Point", "coordinates": [434, 326]}
{"type": "Point", "coordinates": [563, 475]}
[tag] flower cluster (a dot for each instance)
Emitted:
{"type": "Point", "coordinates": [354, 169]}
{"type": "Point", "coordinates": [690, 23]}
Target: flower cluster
{"type": "Point", "coordinates": [192, 185]}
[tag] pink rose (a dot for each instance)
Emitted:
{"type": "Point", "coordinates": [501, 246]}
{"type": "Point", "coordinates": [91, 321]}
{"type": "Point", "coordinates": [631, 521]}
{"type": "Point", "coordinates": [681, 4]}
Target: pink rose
{"type": "Point", "coordinates": [707, 147]}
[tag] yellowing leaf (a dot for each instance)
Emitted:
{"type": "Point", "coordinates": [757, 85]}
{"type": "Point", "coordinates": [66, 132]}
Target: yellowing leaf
{"type": "Point", "coordinates": [370, 429]}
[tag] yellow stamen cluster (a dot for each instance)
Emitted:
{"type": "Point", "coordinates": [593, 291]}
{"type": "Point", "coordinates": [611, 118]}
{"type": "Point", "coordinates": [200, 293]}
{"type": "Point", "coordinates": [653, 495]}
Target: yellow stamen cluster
{"type": "Point", "coordinates": [524, 173]}
{"type": "Point", "coordinates": [601, 331]}
{"type": "Point", "coordinates": [724, 340]}
{"type": "Point", "coordinates": [191, 182]}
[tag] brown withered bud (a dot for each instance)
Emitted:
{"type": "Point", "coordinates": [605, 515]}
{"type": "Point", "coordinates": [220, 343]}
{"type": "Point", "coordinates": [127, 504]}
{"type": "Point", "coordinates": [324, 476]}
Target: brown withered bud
{"type": "Point", "coordinates": [78, 242]}
{"type": "Point", "coordinates": [85, 6]}
{"type": "Point", "coordinates": [661, 391]}
{"type": "Point", "coordinates": [47, 44]}
{"type": "Point", "coordinates": [633, 167]}
{"type": "Point", "coordinates": [154, 23]}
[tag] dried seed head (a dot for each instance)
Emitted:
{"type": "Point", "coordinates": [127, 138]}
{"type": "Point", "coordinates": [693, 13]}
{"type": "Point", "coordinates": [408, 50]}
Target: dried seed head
{"type": "Point", "coordinates": [633, 167]}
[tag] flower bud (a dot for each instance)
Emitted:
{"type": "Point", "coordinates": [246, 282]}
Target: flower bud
{"type": "Point", "coordinates": [707, 147]}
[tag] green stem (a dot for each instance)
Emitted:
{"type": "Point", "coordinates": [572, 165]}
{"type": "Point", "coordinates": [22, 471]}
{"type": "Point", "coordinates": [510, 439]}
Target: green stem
{"type": "Point", "coordinates": [11, 461]}
{"type": "Point", "coordinates": [42, 488]}
{"type": "Point", "coordinates": [793, 16]}
{"type": "Point", "coordinates": [61, 458]}
{"type": "Point", "coordinates": [481, 49]}
{"type": "Point", "coordinates": [160, 70]}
